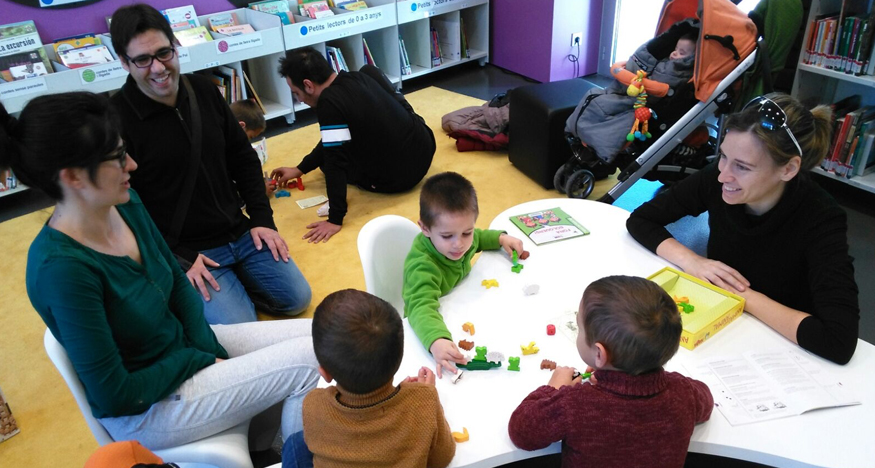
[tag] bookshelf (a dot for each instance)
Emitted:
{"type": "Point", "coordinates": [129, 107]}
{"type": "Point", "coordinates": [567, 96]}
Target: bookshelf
{"type": "Point", "coordinates": [380, 25]}
{"type": "Point", "coordinates": [825, 86]}
{"type": "Point", "coordinates": [417, 18]}
{"type": "Point", "coordinates": [19, 188]}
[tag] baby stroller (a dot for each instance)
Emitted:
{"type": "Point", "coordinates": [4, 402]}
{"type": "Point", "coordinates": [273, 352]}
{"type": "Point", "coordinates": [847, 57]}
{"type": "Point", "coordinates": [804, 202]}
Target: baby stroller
{"type": "Point", "coordinates": [597, 134]}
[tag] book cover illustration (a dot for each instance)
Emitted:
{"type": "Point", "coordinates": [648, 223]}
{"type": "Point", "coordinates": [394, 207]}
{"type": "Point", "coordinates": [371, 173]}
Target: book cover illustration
{"type": "Point", "coordinates": [547, 226]}
{"type": "Point", "coordinates": [21, 41]}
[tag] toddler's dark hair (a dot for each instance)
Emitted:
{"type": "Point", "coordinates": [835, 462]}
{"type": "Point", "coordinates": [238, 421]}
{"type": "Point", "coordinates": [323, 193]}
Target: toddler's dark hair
{"type": "Point", "coordinates": [634, 319]}
{"type": "Point", "coordinates": [358, 339]}
{"type": "Point", "coordinates": [248, 112]}
{"type": "Point", "coordinates": [447, 192]}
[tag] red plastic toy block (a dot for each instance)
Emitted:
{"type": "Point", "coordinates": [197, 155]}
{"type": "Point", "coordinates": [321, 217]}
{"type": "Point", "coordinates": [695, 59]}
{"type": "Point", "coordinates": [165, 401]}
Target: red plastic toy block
{"type": "Point", "coordinates": [551, 329]}
{"type": "Point", "coordinates": [297, 183]}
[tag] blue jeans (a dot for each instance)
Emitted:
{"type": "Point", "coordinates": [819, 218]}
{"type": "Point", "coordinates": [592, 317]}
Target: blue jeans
{"type": "Point", "coordinates": [295, 452]}
{"type": "Point", "coordinates": [248, 278]}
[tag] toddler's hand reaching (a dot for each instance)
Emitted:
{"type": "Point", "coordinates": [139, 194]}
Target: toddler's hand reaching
{"type": "Point", "coordinates": [510, 243]}
{"type": "Point", "coordinates": [445, 353]}
{"type": "Point", "coordinates": [425, 376]}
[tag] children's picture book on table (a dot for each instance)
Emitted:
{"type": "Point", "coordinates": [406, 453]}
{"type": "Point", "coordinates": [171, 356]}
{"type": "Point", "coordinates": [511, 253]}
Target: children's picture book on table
{"type": "Point", "coordinates": [547, 226]}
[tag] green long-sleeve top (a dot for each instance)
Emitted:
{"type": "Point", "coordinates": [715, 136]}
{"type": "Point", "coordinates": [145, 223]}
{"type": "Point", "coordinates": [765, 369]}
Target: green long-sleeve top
{"type": "Point", "coordinates": [428, 275]}
{"type": "Point", "coordinates": [133, 332]}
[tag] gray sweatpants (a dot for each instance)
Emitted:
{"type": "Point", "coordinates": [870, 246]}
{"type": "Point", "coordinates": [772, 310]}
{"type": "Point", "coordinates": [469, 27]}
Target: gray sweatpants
{"type": "Point", "coordinates": [271, 362]}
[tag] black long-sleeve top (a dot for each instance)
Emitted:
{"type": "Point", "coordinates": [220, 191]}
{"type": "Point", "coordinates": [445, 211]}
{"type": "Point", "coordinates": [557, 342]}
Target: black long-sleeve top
{"type": "Point", "coordinates": [369, 139]}
{"type": "Point", "coordinates": [158, 138]}
{"type": "Point", "coordinates": [796, 253]}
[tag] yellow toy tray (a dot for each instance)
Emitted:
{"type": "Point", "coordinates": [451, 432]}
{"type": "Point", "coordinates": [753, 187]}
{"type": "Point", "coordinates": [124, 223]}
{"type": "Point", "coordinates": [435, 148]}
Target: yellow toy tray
{"type": "Point", "coordinates": [714, 307]}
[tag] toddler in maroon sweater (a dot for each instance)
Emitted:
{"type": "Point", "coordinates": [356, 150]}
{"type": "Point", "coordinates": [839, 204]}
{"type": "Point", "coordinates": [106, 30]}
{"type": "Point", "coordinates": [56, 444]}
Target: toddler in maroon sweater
{"type": "Point", "coordinates": [631, 412]}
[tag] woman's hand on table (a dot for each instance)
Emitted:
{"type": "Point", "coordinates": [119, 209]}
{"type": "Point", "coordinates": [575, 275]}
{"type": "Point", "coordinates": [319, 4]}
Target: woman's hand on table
{"type": "Point", "coordinates": [445, 353]}
{"type": "Point", "coordinates": [425, 376]}
{"type": "Point", "coordinates": [716, 272]}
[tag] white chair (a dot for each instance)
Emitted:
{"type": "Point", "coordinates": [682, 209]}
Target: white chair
{"type": "Point", "coordinates": [227, 449]}
{"type": "Point", "coordinates": [383, 245]}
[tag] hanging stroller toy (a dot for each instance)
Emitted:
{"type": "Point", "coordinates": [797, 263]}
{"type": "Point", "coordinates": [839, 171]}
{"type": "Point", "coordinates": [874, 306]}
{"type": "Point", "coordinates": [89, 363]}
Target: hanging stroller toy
{"type": "Point", "coordinates": [642, 112]}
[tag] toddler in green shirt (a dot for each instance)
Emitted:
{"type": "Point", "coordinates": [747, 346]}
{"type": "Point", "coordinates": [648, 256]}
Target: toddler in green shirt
{"type": "Point", "coordinates": [441, 257]}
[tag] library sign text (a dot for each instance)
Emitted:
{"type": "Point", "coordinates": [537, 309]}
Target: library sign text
{"type": "Point", "coordinates": [102, 73]}
{"type": "Point", "coordinates": [22, 88]}
{"type": "Point", "coordinates": [343, 21]}
{"type": "Point", "coordinates": [235, 43]}
{"type": "Point", "coordinates": [425, 7]}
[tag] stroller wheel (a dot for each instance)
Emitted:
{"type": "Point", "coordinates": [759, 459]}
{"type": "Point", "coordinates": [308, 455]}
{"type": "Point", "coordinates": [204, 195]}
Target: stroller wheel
{"type": "Point", "coordinates": [561, 178]}
{"type": "Point", "coordinates": [580, 184]}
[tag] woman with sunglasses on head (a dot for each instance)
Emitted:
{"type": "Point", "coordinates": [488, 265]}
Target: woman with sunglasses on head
{"type": "Point", "coordinates": [777, 238]}
{"type": "Point", "coordinates": [107, 286]}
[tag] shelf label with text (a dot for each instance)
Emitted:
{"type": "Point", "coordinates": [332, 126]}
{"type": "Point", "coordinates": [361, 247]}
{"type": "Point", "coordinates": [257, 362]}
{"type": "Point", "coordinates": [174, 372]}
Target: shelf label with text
{"type": "Point", "coordinates": [235, 43]}
{"type": "Point", "coordinates": [184, 57]}
{"type": "Point", "coordinates": [108, 71]}
{"type": "Point", "coordinates": [338, 23]}
{"type": "Point", "coordinates": [23, 88]}
{"type": "Point", "coordinates": [426, 7]}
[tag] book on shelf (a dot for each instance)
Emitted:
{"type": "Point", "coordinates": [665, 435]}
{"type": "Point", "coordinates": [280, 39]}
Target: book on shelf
{"type": "Point", "coordinates": [867, 45]}
{"type": "Point", "coordinates": [865, 158]}
{"type": "Point", "coordinates": [449, 39]}
{"type": "Point", "coordinates": [436, 59]}
{"type": "Point", "coordinates": [335, 58]}
{"type": "Point", "coordinates": [547, 226]}
{"type": "Point", "coordinates": [21, 52]}
{"type": "Point", "coordinates": [406, 69]}
{"type": "Point", "coordinates": [351, 5]}
{"type": "Point", "coordinates": [275, 7]}
{"type": "Point", "coordinates": [22, 65]}
{"type": "Point", "coordinates": [181, 18]}
{"type": "Point", "coordinates": [842, 41]}
{"type": "Point", "coordinates": [193, 36]}
{"type": "Point", "coordinates": [85, 56]}
{"type": "Point", "coordinates": [465, 51]}
{"type": "Point", "coordinates": [75, 42]}
{"type": "Point", "coordinates": [223, 20]}
{"type": "Point", "coordinates": [235, 30]}
{"type": "Point", "coordinates": [8, 181]}
{"type": "Point", "coordinates": [253, 93]}
{"type": "Point", "coordinates": [369, 58]}
{"type": "Point", "coordinates": [315, 9]}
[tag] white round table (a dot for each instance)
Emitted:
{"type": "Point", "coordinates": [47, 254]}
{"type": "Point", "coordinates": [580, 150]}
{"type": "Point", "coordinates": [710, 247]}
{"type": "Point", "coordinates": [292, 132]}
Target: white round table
{"type": "Point", "coordinates": [505, 318]}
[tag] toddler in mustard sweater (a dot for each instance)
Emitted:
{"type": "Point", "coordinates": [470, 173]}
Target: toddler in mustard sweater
{"type": "Point", "coordinates": [365, 420]}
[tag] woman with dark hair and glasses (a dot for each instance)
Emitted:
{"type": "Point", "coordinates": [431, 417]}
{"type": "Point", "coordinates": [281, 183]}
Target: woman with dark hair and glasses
{"type": "Point", "coordinates": [107, 286]}
{"type": "Point", "coordinates": [777, 238]}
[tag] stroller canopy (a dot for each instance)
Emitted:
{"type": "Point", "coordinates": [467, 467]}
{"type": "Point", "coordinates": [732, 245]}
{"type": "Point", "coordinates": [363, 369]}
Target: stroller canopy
{"type": "Point", "coordinates": [726, 37]}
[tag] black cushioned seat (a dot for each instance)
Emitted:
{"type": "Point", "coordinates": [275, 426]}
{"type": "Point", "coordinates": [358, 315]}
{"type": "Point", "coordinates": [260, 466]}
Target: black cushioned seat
{"type": "Point", "coordinates": [537, 126]}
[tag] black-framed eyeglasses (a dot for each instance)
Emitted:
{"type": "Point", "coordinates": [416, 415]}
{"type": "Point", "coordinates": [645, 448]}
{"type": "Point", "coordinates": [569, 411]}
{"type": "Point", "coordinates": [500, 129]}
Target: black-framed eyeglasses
{"type": "Point", "coordinates": [145, 61]}
{"type": "Point", "coordinates": [772, 117]}
{"type": "Point", "coordinates": [120, 154]}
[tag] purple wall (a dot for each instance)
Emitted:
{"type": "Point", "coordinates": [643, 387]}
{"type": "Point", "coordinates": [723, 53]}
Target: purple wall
{"type": "Point", "coordinates": [535, 42]}
{"type": "Point", "coordinates": [53, 23]}
{"type": "Point", "coordinates": [569, 17]}
{"type": "Point", "coordinates": [520, 39]}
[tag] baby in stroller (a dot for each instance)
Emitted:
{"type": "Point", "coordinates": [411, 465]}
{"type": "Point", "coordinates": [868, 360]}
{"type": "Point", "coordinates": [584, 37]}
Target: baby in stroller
{"type": "Point", "coordinates": [607, 120]}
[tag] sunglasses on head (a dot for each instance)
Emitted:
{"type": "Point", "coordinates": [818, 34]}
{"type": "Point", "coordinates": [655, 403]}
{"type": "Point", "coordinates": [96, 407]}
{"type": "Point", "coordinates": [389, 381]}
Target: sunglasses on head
{"type": "Point", "coordinates": [772, 117]}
